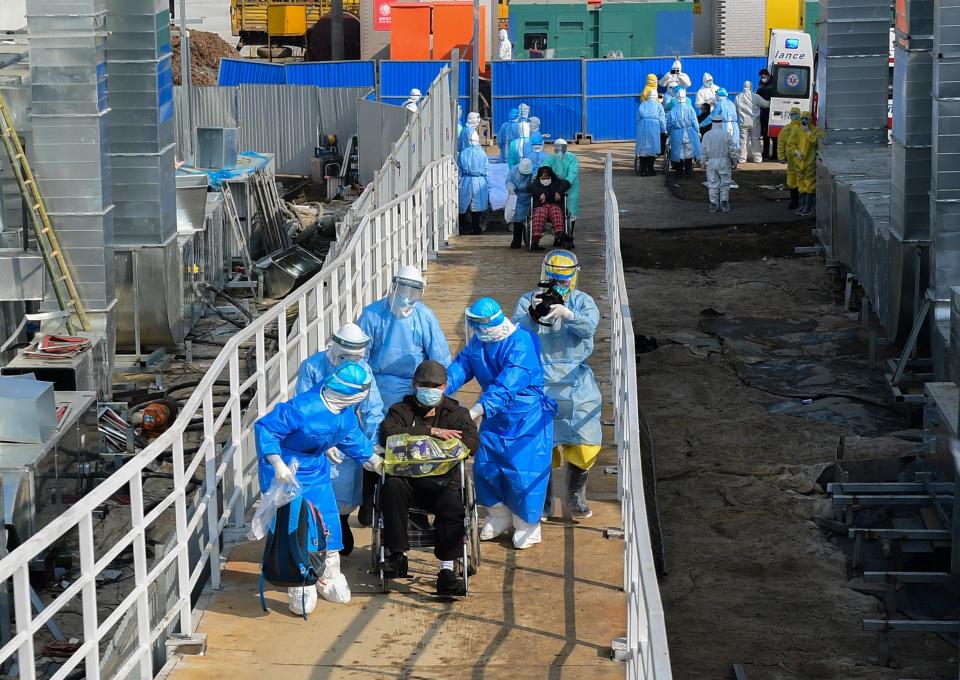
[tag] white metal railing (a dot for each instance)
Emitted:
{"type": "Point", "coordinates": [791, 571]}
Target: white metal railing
{"type": "Point", "coordinates": [401, 232]}
{"type": "Point", "coordinates": [648, 656]}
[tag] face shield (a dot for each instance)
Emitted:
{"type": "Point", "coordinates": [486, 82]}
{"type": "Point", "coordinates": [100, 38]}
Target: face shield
{"type": "Point", "coordinates": [561, 269]}
{"type": "Point", "coordinates": [524, 112]}
{"type": "Point", "coordinates": [404, 296]}
{"type": "Point", "coordinates": [560, 147]}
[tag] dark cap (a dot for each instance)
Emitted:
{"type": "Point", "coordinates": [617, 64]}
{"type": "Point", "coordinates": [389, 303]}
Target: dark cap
{"type": "Point", "coordinates": [430, 373]}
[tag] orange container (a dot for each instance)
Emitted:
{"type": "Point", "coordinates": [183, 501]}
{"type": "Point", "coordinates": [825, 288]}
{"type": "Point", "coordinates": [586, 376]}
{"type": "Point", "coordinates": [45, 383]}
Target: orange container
{"type": "Point", "coordinates": [453, 27]}
{"type": "Point", "coordinates": [410, 31]}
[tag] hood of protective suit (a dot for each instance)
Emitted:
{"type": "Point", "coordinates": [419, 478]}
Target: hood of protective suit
{"type": "Point", "coordinates": [747, 86]}
{"type": "Point", "coordinates": [524, 111]}
{"type": "Point", "coordinates": [473, 119]}
{"type": "Point", "coordinates": [681, 95]}
{"type": "Point", "coordinates": [707, 80]}
{"type": "Point", "coordinates": [652, 80]}
{"type": "Point", "coordinates": [502, 34]}
{"type": "Point", "coordinates": [676, 66]}
{"type": "Point", "coordinates": [534, 124]}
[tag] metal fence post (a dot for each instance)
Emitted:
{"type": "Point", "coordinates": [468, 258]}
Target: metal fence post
{"type": "Point", "coordinates": [583, 98]}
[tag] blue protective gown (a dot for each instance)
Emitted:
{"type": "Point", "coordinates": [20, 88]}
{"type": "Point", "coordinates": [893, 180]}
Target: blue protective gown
{"type": "Point", "coordinates": [521, 187]}
{"type": "Point", "coordinates": [398, 346]}
{"type": "Point", "coordinates": [304, 428]}
{"type": "Point", "coordinates": [568, 167]}
{"type": "Point", "coordinates": [519, 148]}
{"type": "Point", "coordinates": [346, 477]}
{"type": "Point", "coordinates": [508, 132]}
{"type": "Point", "coordinates": [463, 137]}
{"type": "Point", "coordinates": [730, 120]}
{"type": "Point", "coordinates": [683, 119]}
{"type": "Point", "coordinates": [474, 194]}
{"type": "Point", "coordinates": [513, 462]}
{"type": "Point", "coordinates": [651, 123]}
{"type": "Point", "coordinates": [565, 349]}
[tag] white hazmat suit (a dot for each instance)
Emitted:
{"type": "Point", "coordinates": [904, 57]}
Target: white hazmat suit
{"type": "Point", "coordinates": [719, 156]}
{"type": "Point", "coordinates": [676, 77]}
{"type": "Point", "coordinates": [749, 104]}
{"type": "Point", "coordinates": [708, 93]}
{"type": "Point", "coordinates": [505, 47]}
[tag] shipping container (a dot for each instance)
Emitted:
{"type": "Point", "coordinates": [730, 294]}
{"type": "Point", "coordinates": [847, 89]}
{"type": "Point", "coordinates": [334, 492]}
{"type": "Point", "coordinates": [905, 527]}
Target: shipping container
{"type": "Point", "coordinates": [811, 18]}
{"type": "Point", "coordinates": [410, 31]}
{"type": "Point", "coordinates": [249, 18]}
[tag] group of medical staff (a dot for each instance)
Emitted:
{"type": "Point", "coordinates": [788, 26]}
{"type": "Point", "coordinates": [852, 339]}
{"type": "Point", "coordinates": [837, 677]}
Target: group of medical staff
{"type": "Point", "coordinates": [720, 133]}
{"type": "Point", "coordinates": [539, 408]}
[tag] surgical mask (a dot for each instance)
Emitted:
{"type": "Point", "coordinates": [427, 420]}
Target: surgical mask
{"type": "Point", "coordinates": [546, 182]}
{"type": "Point", "coordinates": [338, 355]}
{"type": "Point", "coordinates": [429, 396]}
{"type": "Point", "coordinates": [560, 151]}
{"type": "Point", "coordinates": [404, 305]}
{"type": "Point", "coordinates": [496, 333]}
{"type": "Point", "coordinates": [538, 147]}
{"type": "Point", "coordinates": [765, 79]}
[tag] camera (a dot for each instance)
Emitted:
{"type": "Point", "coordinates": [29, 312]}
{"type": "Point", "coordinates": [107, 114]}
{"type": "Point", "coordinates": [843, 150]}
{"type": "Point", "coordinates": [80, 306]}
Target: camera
{"type": "Point", "coordinates": [549, 297]}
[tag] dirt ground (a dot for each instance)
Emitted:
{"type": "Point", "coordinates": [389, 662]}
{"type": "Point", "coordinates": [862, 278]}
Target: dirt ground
{"type": "Point", "coordinates": [752, 579]}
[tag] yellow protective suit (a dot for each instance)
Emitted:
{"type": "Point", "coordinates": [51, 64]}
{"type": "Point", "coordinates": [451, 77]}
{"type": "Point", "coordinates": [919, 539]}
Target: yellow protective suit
{"type": "Point", "coordinates": [807, 143]}
{"type": "Point", "coordinates": [786, 148]}
{"type": "Point", "coordinates": [651, 85]}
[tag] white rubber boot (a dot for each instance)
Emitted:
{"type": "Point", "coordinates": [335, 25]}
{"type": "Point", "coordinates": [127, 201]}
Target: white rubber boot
{"type": "Point", "coordinates": [333, 587]}
{"type": "Point", "coordinates": [498, 521]}
{"type": "Point", "coordinates": [302, 601]}
{"type": "Point", "coordinates": [525, 535]}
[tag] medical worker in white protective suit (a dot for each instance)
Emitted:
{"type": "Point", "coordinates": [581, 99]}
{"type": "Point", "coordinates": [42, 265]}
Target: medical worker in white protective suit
{"type": "Point", "coordinates": [707, 94]}
{"type": "Point", "coordinates": [749, 105]}
{"type": "Point", "coordinates": [676, 78]}
{"type": "Point", "coordinates": [348, 343]}
{"type": "Point", "coordinates": [308, 428]}
{"type": "Point", "coordinates": [565, 338]}
{"type": "Point", "coordinates": [403, 333]}
{"type": "Point", "coordinates": [413, 101]}
{"type": "Point", "coordinates": [719, 158]}
{"type": "Point", "coordinates": [505, 47]}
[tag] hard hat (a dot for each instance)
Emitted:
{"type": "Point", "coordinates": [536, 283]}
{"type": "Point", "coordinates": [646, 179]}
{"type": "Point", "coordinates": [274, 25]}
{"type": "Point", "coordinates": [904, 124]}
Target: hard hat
{"type": "Point", "coordinates": [484, 313]}
{"type": "Point", "coordinates": [561, 265]}
{"type": "Point", "coordinates": [526, 166]}
{"type": "Point", "coordinates": [351, 337]}
{"type": "Point", "coordinates": [409, 275]}
{"type": "Point", "coordinates": [560, 142]}
{"type": "Point", "coordinates": [350, 379]}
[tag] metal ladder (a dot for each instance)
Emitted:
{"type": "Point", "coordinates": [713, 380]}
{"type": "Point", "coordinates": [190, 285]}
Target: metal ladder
{"type": "Point", "coordinates": [233, 217]}
{"type": "Point", "coordinates": [63, 286]}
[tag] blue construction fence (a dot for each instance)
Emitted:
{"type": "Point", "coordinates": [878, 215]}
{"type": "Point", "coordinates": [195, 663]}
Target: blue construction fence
{"type": "Point", "coordinates": [397, 78]}
{"type": "Point", "coordinates": [599, 97]}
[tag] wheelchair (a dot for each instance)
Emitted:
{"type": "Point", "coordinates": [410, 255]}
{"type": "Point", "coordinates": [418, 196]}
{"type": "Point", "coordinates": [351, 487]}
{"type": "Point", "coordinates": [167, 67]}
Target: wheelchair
{"type": "Point", "coordinates": [528, 224]}
{"type": "Point", "coordinates": [420, 530]}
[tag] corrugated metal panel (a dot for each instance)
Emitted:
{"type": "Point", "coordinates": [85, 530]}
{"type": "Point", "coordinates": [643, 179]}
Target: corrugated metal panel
{"type": "Point", "coordinates": [263, 107]}
{"type": "Point", "coordinates": [338, 111]}
{"type": "Point", "coordinates": [248, 72]}
{"type": "Point", "coordinates": [613, 118]}
{"type": "Point", "coordinates": [212, 107]}
{"type": "Point", "coordinates": [397, 78]}
{"type": "Point", "coordinates": [559, 116]}
{"type": "Point", "coordinates": [622, 76]}
{"type": "Point", "coordinates": [536, 77]}
{"type": "Point", "coordinates": [674, 31]}
{"type": "Point", "coordinates": [333, 74]}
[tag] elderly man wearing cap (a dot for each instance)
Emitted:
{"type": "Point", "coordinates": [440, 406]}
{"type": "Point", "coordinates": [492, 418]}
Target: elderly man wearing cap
{"type": "Point", "coordinates": [427, 412]}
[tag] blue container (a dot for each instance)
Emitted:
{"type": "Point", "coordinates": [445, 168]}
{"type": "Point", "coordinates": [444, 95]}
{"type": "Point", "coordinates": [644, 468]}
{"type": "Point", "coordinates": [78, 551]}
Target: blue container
{"type": "Point", "coordinates": [333, 74]}
{"type": "Point", "coordinates": [551, 87]}
{"type": "Point", "coordinates": [674, 33]}
{"type": "Point", "coordinates": [397, 78]}
{"type": "Point", "coordinates": [246, 72]}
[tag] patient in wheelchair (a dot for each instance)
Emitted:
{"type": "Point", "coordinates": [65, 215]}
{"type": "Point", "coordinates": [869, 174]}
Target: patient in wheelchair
{"type": "Point", "coordinates": [427, 413]}
{"type": "Point", "coordinates": [548, 192]}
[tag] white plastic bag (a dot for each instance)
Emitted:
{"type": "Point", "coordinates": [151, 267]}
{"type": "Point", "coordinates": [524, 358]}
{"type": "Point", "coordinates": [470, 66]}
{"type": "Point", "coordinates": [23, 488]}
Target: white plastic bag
{"type": "Point", "coordinates": [279, 494]}
{"type": "Point", "coordinates": [510, 209]}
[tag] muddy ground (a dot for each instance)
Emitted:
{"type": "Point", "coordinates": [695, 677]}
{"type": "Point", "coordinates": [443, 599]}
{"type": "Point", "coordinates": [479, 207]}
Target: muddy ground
{"type": "Point", "coordinates": [753, 580]}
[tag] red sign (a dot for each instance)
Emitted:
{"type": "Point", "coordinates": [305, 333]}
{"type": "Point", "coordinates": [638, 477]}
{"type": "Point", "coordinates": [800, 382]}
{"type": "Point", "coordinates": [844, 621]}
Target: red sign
{"type": "Point", "coordinates": [381, 15]}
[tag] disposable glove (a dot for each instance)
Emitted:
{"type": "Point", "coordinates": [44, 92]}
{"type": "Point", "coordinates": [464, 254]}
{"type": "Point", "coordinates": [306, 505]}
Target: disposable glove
{"type": "Point", "coordinates": [510, 189]}
{"type": "Point", "coordinates": [558, 312]}
{"type": "Point", "coordinates": [280, 469]}
{"type": "Point", "coordinates": [374, 464]}
{"type": "Point", "coordinates": [798, 155]}
{"type": "Point", "coordinates": [335, 455]}
{"type": "Point", "coordinates": [476, 411]}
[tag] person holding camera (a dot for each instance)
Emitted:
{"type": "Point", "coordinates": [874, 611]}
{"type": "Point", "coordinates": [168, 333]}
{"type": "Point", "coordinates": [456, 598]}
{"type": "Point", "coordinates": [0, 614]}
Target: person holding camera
{"type": "Point", "coordinates": [564, 321]}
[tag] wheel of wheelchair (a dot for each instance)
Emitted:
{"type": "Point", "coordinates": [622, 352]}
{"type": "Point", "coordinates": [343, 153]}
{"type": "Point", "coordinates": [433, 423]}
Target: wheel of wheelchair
{"type": "Point", "coordinates": [528, 231]}
{"type": "Point", "coordinates": [473, 528]}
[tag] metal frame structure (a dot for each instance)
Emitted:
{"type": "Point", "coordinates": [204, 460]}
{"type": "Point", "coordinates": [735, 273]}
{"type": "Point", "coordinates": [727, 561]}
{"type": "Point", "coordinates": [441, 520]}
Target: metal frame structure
{"type": "Point", "coordinates": [400, 232]}
{"type": "Point", "coordinates": [645, 647]}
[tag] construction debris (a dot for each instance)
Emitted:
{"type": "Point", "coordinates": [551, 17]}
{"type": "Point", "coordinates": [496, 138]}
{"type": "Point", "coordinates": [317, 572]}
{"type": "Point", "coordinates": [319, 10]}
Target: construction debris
{"type": "Point", "coordinates": [206, 51]}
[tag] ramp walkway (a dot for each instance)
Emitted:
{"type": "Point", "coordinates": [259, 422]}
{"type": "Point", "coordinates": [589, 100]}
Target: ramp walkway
{"type": "Point", "coordinates": [548, 612]}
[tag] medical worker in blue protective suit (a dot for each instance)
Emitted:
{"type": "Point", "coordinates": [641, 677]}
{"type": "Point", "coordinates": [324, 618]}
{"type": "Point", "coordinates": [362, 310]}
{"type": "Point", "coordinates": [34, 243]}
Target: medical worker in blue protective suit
{"type": "Point", "coordinates": [474, 192]}
{"type": "Point", "coordinates": [566, 166]}
{"type": "Point", "coordinates": [521, 146]}
{"type": "Point", "coordinates": [683, 130]}
{"type": "Point", "coordinates": [565, 337]}
{"type": "Point", "coordinates": [309, 428]}
{"type": "Point", "coordinates": [348, 343]}
{"type": "Point", "coordinates": [651, 124]}
{"type": "Point", "coordinates": [518, 184]}
{"type": "Point", "coordinates": [403, 334]}
{"type": "Point", "coordinates": [473, 125]}
{"type": "Point", "coordinates": [512, 466]}
{"type": "Point", "coordinates": [508, 132]}
{"type": "Point", "coordinates": [728, 113]}
{"type": "Point", "coordinates": [535, 153]}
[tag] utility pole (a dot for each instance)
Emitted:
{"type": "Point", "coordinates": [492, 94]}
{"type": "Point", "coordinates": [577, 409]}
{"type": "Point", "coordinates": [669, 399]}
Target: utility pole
{"type": "Point", "coordinates": [475, 62]}
{"type": "Point", "coordinates": [189, 152]}
{"type": "Point", "coordinates": [336, 30]}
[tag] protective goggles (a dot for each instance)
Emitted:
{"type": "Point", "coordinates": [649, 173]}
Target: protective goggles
{"type": "Point", "coordinates": [474, 321]}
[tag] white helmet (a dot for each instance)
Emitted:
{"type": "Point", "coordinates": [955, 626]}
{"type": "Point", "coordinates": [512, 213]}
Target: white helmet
{"type": "Point", "coordinates": [526, 166]}
{"type": "Point", "coordinates": [409, 273]}
{"type": "Point", "coordinates": [415, 94]}
{"type": "Point", "coordinates": [348, 342]}
{"type": "Point", "coordinates": [560, 146]}
{"type": "Point", "coordinates": [406, 290]}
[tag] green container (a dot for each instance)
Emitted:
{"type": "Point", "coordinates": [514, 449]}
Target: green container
{"type": "Point", "coordinates": [630, 28]}
{"type": "Point", "coordinates": [813, 14]}
{"type": "Point", "coordinates": [561, 28]}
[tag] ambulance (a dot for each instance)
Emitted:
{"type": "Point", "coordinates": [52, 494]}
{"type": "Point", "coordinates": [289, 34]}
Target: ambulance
{"type": "Point", "coordinates": [790, 62]}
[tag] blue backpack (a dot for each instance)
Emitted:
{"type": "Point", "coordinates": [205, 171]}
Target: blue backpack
{"type": "Point", "coordinates": [296, 548]}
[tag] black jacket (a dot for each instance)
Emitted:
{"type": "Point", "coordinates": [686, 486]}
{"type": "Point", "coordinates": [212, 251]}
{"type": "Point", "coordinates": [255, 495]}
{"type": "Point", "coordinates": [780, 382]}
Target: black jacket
{"type": "Point", "coordinates": [553, 193]}
{"type": "Point", "coordinates": [409, 417]}
{"type": "Point", "coordinates": [765, 91]}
